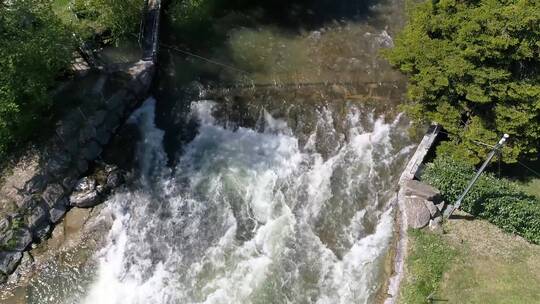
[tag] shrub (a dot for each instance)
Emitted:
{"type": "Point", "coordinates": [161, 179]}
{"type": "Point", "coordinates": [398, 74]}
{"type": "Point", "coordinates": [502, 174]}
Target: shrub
{"type": "Point", "coordinates": [34, 48]}
{"type": "Point", "coordinates": [499, 201]}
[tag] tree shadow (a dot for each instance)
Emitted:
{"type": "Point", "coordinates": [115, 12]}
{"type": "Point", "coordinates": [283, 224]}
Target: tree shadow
{"type": "Point", "coordinates": [466, 217]}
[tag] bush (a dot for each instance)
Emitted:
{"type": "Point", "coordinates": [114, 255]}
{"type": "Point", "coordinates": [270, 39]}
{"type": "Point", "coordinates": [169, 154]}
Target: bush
{"type": "Point", "coordinates": [35, 46]}
{"type": "Point", "coordinates": [120, 17]}
{"type": "Point", "coordinates": [499, 201]}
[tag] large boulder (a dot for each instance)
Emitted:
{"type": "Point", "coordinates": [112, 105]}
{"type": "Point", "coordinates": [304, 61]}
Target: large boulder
{"type": "Point", "coordinates": [418, 215]}
{"type": "Point", "coordinates": [419, 189]}
{"type": "Point", "coordinates": [86, 194]}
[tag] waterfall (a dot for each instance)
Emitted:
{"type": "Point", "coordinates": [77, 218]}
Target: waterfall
{"type": "Point", "coordinates": [253, 216]}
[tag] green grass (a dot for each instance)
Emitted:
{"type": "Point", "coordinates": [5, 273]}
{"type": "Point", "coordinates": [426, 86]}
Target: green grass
{"type": "Point", "coordinates": [429, 258]}
{"type": "Point", "coordinates": [492, 266]}
{"type": "Point", "coordinates": [474, 262]}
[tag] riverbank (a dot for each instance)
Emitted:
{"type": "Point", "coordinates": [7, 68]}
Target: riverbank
{"type": "Point", "coordinates": [482, 264]}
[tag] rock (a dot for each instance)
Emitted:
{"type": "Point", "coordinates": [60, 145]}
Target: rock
{"type": "Point", "coordinates": [419, 189]}
{"type": "Point", "coordinates": [69, 182]}
{"type": "Point", "coordinates": [433, 210]}
{"type": "Point", "coordinates": [9, 261]}
{"type": "Point", "coordinates": [14, 236]}
{"type": "Point", "coordinates": [36, 184]}
{"type": "Point", "coordinates": [103, 136]}
{"type": "Point", "coordinates": [98, 118]}
{"type": "Point", "coordinates": [67, 128]}
{"type": "Point", "coordinates": [112, 121]}
{"type": "Point", "coordinates": [42, 233]}
{"type": "Point", "coordinates": [441, 206]}
{"type": "Point", "coordinates": [91, 151]}
{"type": "Point", "coordinates": [58, 212]}
{"type": "Point", "coordinates": [110, 168]}
{"type": "Point", "coordinates": [36, 217]}
{"type": "Point", "coordinates": [52, 194]}
{"type": "Point", "coordinates": [86, 194]}
{"type": "Point", "coordinates": [85, 199]}
{"type": "Point", "coordinates": [114, 179]}
{"type": "Point", "coordinates": [85, 184]}
{"type": "Point", "coordinates": [4, 225]}
{"type": "Point", "coordinates": [17, 239]}
{"type": "Point", "coordinates": [116, 102]}
{"type": "Point", "coordinates": [57, 164]}
{"type": "Point", "coordinates": [418, 214]}
{"type": "Point", "coordinates": [82, 165]}
{"type": "Point", "coordinates": [87, 133]}
{"type": "Point", "coordinates": [71, 146]}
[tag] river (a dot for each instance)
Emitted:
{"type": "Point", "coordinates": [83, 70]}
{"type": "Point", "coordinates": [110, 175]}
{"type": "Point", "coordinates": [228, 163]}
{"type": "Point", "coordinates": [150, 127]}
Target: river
{"type": "Point", "coordinates": [272, 183]}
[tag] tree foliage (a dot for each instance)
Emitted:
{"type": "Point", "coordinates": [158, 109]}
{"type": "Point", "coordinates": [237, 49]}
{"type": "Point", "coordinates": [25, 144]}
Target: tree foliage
{"type": "Point", "coordinates": [119, 17]}
{"type": "Point", "coordinates": [34, 47]}
{"type": "Point", "coordinates": [473, 67]}
{"type": "Point", "coordinates": [498, 200]}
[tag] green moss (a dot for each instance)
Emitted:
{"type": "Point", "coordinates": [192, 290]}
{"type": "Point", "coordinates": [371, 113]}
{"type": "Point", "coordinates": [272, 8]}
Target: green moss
{"type": "Point", "coordinates": [429, 258]}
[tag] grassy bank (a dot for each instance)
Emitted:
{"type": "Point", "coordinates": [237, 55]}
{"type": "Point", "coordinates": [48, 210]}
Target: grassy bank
{"type": "Point", "coordinates": [487, 266]}
{"type": "Point", "coordinates": [429, 258]}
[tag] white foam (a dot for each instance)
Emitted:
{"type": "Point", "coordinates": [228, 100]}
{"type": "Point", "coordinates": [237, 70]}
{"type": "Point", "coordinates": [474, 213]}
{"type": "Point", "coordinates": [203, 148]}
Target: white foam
{"type": "Point", "coordinates": [243, 218]}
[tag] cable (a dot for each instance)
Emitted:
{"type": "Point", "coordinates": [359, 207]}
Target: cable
{"type": "Point", "coordinates": [203, 58]}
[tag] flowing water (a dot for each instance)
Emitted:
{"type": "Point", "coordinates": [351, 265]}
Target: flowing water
{"type": "Point", "coordinates": [250, 216]}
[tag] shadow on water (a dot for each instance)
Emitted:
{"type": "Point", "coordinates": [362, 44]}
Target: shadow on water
{"type": "Point", "coordinates": [306, 14]}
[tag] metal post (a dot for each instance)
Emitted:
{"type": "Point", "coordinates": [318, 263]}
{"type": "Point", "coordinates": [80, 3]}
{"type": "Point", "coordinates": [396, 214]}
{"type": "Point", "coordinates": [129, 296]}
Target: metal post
{"type": "Point", "coordinates": [499, 145]}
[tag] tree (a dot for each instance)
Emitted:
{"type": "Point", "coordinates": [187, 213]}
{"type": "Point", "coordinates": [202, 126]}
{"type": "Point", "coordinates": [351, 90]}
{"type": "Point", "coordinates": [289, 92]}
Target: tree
{"type": "Point", "coordinates": [119, 17]}
{"type": "Point", "coordinates": [473, 67]}
{"type": "Point", "coordinates": [34, 47]}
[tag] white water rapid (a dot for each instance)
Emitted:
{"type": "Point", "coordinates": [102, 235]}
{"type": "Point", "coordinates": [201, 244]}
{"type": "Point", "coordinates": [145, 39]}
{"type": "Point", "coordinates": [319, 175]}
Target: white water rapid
{"type": "Point", "coordinates": [254, 217]}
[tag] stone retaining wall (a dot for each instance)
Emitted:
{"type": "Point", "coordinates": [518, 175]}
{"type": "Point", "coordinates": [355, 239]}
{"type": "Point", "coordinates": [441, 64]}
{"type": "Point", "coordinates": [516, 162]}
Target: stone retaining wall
{"type": "Point", "coordinates": [79, 140]}
{"type": "Point", "coordinates": [417, 205]}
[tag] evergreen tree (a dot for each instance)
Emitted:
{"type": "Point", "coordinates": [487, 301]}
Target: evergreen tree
{"type": "Point", "coordinates": [473, 67]}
